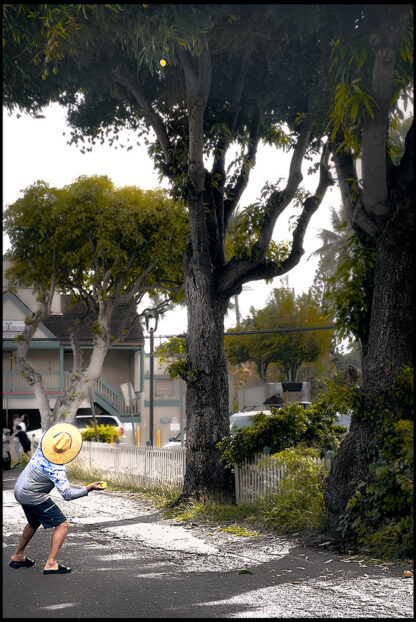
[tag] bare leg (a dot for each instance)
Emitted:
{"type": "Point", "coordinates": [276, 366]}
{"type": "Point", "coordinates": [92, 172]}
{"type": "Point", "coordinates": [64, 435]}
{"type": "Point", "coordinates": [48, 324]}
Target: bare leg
{"type": "Point", "coordinates": [58, 538]}
{"type": "Point", "coordinates": [27, 535]}
{"type": "Point", "coordinates": [16, 444]}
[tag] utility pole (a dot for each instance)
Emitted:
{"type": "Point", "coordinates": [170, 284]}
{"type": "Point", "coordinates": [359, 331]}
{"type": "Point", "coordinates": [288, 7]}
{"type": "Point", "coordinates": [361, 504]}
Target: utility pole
{"type": "Point", "coordinates": [151, 329]}
{"type": "Point", "coordinates": [237, 310]}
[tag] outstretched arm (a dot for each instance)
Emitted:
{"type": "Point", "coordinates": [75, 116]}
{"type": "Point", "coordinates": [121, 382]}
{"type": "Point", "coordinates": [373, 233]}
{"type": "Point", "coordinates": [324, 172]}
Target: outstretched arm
{"type": "Point", "coordinates": [96, 486]}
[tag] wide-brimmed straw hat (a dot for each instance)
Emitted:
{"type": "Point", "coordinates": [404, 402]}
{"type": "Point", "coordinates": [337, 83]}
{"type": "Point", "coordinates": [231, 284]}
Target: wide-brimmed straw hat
{"type": "Point", "coordinates": [61, 443]}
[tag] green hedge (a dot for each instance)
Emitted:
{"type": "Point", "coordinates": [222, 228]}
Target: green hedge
{"type": "Point", "coordinates": [106, 434]}
{"type": "Point", "coordinates": [288, 426]}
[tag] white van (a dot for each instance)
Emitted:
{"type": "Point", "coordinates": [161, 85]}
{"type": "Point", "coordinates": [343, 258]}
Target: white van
{"type": "Point", "coordinates": [244, 418]}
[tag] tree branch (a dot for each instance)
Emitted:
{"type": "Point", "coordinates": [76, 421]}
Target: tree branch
{"type": "Point", "coordinates": [404, 173]}
{"type": "Point", "coordinates": [226, 137]}
{"type": "Point", "coordinates": [139, 284]}
{"type": "Point", "coordinates": [310, 206]}
{"type": "Point", "coordinates": [280, 200]}
{"type": "Point", "coordinates": [347, 180]}
{"type": "Point", "coordinates": [249, 160]}
{"type": "Point", "coordinates": [154, 119]}
{"type": "Point", "coordinates": [352, 195]}
{"type": "Point", "coordinates": [233, 273]}
{"type": "Point", "coordinates": [388, 26]}
{"type": "Point", "coordinates": [198, 86]}
{"type": "Point", "coordinates": [256, 270]}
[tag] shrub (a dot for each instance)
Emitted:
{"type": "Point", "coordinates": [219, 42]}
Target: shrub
{"type": "Point", "coordinates": [106, 434]}
{"type": "Point", "coordinates": [299, 503]}
{"type": "Point", "coordinates": [380, 513]}
{"type": "Point", "coordinates": [285, 427]}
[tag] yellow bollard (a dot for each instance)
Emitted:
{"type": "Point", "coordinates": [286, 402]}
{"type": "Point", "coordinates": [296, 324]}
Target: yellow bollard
{"type": "Point", "coordinates": [158, 438]}
{"type": "Point", "coordinates": [138, 436]}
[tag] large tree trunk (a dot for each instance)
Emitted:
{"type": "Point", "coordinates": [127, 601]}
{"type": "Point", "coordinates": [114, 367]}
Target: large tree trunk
{"type": "Point", "coordinates": [86, 378]}
{"type": "Point", "coordinates": [207, 411]}
{"type": "Point", "coordinates": [391, 338]}
{"type": "Point", "coordinates": [33, 377]}
{"type": "Point", "coordinates": [390, 346]}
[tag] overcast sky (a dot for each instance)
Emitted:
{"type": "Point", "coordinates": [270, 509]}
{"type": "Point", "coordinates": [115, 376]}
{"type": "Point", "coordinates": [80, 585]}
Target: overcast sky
{"type": "Point", "coordinates": [36, 149]}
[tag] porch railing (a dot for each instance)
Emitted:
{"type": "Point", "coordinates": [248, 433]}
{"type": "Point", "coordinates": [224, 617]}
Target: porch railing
{"type": "Point", "coordinates": [14, 382]}
{"type": "Point", "coordinates": [113, 399]}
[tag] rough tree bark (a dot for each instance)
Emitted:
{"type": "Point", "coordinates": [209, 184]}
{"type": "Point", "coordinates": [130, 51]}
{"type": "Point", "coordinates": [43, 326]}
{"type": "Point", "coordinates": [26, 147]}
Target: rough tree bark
{"type": "Point", "coordinates": [382, 213]}
{"type": "Point", "coordinates": [87, 378]}
{"type": "Point", "coordinates": [390, 346]}
{"type": "Point", "coordinates": [207, 408]}
{"type": "Point", "coordinates": [33, 377]}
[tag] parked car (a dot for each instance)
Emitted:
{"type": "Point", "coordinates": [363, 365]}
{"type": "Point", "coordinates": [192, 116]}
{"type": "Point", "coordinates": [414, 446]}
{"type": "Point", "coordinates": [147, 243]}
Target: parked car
{"type": "Point", "coordinates": [7, 459]}
{"type": "Point", "coordinates": [176, 441]}
{"type": "Point", "coordinates": [34, 435]}
{"type": "Point", "coordinates": [244, 418]}
{"type": "Point", "coordinates": [343, 419]}
{"type": "Point", "coordinates": [82, 422]}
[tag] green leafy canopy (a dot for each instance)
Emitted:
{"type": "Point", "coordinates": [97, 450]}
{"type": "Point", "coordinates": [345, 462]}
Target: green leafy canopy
{"type": "Point", "coordinates": [289, 351]}
{"type": "Point", "coordinates": [97, 241]}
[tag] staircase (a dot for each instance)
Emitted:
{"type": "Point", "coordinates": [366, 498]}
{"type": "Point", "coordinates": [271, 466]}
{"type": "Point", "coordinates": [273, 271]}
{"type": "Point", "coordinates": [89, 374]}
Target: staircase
{"type": "Point", "coordinates": [111, 401]}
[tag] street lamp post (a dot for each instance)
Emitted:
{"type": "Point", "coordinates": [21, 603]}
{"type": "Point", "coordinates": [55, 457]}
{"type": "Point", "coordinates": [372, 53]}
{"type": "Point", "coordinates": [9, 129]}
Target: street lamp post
{"type": "Point", "coordinates": [151, 315]}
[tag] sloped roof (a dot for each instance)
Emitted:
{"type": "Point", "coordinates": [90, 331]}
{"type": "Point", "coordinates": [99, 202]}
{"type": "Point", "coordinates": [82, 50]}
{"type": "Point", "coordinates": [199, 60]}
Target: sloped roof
{"type": "Point", "coordinates": [10, 334]}
{"type": "Point", "coordinates": [20, 303]}
{"type": "Point", "coordinates": [59, 325]}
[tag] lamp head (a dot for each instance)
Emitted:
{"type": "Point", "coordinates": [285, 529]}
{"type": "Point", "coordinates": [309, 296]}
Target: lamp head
{"type": "Point", "coordinates": [151, 315]}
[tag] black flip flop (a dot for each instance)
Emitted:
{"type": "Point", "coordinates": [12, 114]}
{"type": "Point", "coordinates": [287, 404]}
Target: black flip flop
{"type": "Point", "coordinates": [60, 570]}
{"type": "Point", "coordinates": [27, 563]}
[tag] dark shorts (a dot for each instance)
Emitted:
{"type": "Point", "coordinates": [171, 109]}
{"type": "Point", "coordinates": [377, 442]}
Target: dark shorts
{"type": "Point", "coordinates": [46, 514]}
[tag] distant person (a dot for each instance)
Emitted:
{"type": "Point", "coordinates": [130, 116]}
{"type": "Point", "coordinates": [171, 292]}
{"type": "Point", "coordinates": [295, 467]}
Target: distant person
{"type": "Point", "coordinates": [58, 446]}
{"type": "Point", "coordinates": [24, 441]}
{"type": "Point", "coordinates": [20, 420]}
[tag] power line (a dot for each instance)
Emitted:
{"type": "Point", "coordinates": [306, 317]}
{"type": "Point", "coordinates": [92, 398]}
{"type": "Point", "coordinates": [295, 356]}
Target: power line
{"type": "Point", "coordinates": [254, 332]}
{"type": "Point", "coordinates": [277, 330]}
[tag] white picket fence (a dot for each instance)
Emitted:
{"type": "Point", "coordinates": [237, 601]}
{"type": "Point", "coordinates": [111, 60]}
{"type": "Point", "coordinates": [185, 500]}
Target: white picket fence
{"type": "Point", "coordinates": [260, 477]}
{"type": "Point", "coordinates": [146, 466]}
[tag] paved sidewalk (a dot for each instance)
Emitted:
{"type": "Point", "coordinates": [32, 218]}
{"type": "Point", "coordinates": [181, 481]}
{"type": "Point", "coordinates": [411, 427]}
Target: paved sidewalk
{"type": "Point", "coordinates": [128, 562]}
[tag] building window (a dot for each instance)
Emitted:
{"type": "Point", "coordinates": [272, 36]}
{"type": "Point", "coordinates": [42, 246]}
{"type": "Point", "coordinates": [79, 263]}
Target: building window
{"type": "Point", "coordinates": [164, 387]}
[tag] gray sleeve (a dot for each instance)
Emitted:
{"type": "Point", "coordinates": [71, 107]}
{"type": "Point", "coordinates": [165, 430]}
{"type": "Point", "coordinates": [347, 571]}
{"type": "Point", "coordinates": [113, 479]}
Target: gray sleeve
{"type": "Point", "coordinates": [73, 493]}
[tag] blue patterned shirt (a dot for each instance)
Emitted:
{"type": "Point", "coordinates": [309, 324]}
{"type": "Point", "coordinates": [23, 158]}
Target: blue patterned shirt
{"type": "Point", "coordinates": [39, 477]}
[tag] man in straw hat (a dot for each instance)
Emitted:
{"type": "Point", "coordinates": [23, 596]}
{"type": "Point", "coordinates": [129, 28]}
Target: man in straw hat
{"type": "Point", "coordinates": [58, 446]}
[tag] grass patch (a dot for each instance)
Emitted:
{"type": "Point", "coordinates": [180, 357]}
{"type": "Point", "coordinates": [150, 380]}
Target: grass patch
{"type": "Point", "coordinates": [295, 511]}
{"type": "Point", "coordinates": [207, 510]}
{"type": "Point", "coordinates": [160, 496]}
{"type": "Point", "coordinates": [237, 530]}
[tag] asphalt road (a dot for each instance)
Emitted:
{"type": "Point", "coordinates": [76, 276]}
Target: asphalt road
{"type": "Point", "coordinates": [128, 562]}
